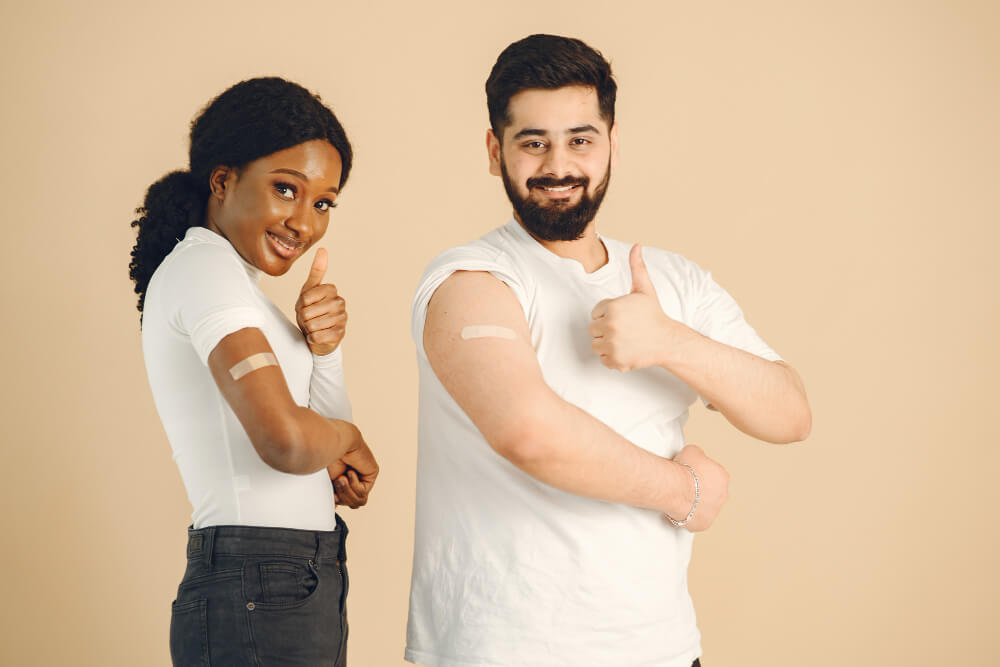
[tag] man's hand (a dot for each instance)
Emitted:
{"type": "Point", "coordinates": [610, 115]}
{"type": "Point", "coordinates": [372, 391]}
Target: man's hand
{"type": "Point", "coordinates": [713, 487]}
{"type": "Point", "coordinates": [320, 313]}
{"type": "Point", "coordinates": [352, 486]}
{"type": "Point", "coordinates": [632, 331]}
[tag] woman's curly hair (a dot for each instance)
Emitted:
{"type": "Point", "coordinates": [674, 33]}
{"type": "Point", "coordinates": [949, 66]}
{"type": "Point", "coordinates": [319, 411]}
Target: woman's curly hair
{"type": "Point", "coordinates": [253, 119]}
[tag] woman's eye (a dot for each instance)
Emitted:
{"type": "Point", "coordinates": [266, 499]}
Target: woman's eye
{"type": "Point", "coordinates": [285, 190]}
{"type": "Point", "coordinates": [325, 205]}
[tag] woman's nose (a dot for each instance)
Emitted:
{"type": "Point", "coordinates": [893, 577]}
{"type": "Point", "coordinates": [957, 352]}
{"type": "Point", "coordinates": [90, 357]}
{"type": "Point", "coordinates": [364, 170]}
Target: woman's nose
{"type": "Point", "coordinates": [298, 221]}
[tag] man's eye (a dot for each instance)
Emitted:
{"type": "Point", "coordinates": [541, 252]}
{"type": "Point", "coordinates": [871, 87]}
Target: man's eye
{"type": "Point", "coordinates": [534, 145]}
{"type": "Point", "coordinates": [285, 190]}
{"type": "Point", "coordinates": [580, 141]}
{"type": "Point", "coordinates": [325, 205]}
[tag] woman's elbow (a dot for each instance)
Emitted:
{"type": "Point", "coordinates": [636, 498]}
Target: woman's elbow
{"type": "Point", "coordinates": [282, 446]}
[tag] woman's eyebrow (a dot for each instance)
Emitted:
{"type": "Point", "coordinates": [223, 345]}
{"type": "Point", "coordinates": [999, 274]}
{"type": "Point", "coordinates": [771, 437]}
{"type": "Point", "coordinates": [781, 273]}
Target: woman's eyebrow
{"type": "Point", "coordinates": [305, 178]}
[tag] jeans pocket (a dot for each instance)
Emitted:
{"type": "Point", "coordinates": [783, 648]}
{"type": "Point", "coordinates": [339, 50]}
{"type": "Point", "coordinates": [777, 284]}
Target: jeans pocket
{"type": "Point", "coordinates": [298, 622]}
{"type": "Point", "coordinates": [286, 582]}
{"type": "Point", "coordinates": [189, 634]}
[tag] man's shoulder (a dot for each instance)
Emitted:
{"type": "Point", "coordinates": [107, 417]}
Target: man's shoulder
{"type": "Point", "coordinates": [489, 250]}
{"type": "Point", "coordinates": [657, 259]}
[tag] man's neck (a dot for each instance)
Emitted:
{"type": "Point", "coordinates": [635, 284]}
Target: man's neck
{"type": "Point", "coordinates": [588, 249]}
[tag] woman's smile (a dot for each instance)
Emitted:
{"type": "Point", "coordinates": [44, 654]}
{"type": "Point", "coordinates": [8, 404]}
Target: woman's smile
{"type": "Point", "coordinates": [285, 246]}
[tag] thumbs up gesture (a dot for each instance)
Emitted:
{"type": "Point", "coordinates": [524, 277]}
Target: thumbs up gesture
{"type": "Point", "coordinates": [632, 331]}
{"type": "Point", "coordinates": [319, 311]}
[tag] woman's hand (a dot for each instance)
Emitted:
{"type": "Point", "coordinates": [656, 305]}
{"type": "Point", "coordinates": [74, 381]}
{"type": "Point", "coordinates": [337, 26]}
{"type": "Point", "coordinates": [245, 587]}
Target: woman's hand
{"type": "Point", "coordinates": [352, 487]}
{"type": "Point", "coordinates": [319, 311]}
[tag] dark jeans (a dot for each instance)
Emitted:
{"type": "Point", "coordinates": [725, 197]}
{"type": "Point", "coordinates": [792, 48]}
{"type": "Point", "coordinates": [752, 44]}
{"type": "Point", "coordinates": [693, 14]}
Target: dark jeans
{"type": "Point", "coordinates": [261, 597]}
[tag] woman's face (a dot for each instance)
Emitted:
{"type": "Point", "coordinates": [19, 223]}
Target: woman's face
{"type": "Point", "coordinates": [278, 206]}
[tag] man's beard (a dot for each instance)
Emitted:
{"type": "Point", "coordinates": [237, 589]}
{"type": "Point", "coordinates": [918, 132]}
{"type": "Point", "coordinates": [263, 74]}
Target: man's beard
{"type": "Point", "coordinates": [557, 220]}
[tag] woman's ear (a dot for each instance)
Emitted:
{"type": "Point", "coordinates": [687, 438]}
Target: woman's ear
{"type": "Point", "coordinates": [221, 178]}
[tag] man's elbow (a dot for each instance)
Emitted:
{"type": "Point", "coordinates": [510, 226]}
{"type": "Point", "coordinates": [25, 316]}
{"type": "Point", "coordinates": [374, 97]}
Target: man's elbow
{"type": "Point", "coordinates": [525, 443]}
{"type": "Point", "coordinates": [798, 424]}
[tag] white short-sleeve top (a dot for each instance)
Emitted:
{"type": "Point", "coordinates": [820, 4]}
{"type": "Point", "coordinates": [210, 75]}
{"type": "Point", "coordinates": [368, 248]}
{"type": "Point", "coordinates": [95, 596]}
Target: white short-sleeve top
{"type": "Point", "coordinates": [202, 292]}
{"type": "Point", "coordinates": [510, 571]}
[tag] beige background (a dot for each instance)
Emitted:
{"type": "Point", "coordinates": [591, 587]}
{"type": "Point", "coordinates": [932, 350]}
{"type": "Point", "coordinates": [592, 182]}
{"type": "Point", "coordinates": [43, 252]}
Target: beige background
{"type": "Point", "coordinates": [835, 164]}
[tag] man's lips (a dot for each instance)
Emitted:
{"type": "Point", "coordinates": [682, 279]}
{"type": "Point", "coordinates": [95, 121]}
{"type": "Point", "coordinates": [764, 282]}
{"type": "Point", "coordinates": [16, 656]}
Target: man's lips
{"type": "Point", "coordinates": [285, 246]}
{"type": "Point", "coordinates": [557, 191]}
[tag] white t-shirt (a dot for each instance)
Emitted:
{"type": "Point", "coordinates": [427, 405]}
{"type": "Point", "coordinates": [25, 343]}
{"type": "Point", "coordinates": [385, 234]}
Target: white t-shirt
{"type": "Point", "coordinates": [202, 292]}
{"type": "Point", "coordinates": [508, 571]}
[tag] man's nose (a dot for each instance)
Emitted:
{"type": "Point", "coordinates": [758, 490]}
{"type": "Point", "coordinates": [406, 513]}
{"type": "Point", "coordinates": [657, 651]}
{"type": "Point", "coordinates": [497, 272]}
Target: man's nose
{"type": "Point", "coordinates": [557, 162]}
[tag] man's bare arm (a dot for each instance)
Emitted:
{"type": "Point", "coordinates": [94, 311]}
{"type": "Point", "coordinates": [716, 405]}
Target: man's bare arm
{"type": "Point", "coordinates": [761, 398]}
{"type": "Point", "coordinates": [498, 383]}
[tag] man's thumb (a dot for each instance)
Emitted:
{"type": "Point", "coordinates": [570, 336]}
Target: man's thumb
{"type": "Point", "coordinates": [641, 282]}
{"type": "Point", "coordinates": [316, 271]}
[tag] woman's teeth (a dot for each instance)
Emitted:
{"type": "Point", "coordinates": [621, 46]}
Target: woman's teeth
{"type": "Point", "coordinates": [285, 246]}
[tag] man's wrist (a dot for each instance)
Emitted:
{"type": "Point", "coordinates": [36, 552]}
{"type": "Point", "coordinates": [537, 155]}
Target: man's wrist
{"type": "Point", "coordinates": [678, 340]}
{"type": "Point", "coordinates": [681, 490]}
{"type": "Point", "coordinates": [679, 523]}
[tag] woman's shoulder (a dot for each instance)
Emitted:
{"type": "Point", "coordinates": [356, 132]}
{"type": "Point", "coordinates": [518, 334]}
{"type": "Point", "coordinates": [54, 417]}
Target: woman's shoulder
{"type": "Point", "coordinates": [195, 258]}
{"type": "Point", "coordinates": [200, 271]}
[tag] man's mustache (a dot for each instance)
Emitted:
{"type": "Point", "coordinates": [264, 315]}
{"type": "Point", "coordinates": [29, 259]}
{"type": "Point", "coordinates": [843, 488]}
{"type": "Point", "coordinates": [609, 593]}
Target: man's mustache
{"type": "Point", "coordinates": [545, 182]}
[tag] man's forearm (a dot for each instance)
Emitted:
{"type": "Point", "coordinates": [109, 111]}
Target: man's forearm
{"type": "Point", "coordinates": [761, 398]}
{"type": "Point", "coordinates": [565, 447]}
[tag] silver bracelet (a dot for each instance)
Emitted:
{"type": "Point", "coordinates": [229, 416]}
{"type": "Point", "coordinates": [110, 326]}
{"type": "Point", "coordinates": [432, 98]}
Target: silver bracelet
{"type": "Point", "coordinates": [697, 497]}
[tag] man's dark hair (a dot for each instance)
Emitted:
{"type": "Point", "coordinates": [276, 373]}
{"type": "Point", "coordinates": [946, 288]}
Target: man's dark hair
{"type": "Point", "coordinates": [549, 62]}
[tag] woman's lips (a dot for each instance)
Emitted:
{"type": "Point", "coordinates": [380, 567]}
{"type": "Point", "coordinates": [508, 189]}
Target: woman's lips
{"type": "Point", "coordinates": [283, 246]}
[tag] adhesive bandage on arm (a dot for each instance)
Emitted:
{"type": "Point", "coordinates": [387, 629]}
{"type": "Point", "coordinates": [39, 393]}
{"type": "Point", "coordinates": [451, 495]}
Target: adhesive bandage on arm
{"type": "Point", "coordinates": [252, 363]}
{"type": "Point", "coordinates": [487, 331]}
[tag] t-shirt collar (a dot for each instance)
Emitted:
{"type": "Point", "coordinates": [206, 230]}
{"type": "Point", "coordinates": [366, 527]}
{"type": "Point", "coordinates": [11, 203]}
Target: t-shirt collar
{"type": "Point", "coordinates": [524, 238]}
{"type": "Point", "coordinates": [208, 236]}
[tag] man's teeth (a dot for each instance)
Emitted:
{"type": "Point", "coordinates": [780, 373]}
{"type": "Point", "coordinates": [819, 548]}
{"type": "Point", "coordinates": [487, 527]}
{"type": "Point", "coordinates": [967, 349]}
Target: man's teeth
{"type": "Point", "coordinates": [561, 188]}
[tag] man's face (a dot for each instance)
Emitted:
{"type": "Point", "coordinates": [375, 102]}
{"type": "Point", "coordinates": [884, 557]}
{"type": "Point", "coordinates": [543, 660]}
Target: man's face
{"type": "Point", "coordinates": [555, 160]}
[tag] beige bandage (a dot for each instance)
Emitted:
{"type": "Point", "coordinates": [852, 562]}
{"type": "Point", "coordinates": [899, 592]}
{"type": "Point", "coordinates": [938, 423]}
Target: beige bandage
{"type": "Point", "coordinates": [487, 331]}
{"type": "Point", "coordinates": [252, 363]}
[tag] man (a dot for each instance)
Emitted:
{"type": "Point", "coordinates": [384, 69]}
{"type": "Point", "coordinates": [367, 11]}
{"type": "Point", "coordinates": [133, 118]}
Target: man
{"type": "Point", "coordinates": [555, 493]}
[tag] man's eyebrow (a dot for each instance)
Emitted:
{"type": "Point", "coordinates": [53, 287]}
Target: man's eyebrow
{"type": "Point", "coordinates": [305, 178]}
{"type": "Point", "coordinates": [531, 132]}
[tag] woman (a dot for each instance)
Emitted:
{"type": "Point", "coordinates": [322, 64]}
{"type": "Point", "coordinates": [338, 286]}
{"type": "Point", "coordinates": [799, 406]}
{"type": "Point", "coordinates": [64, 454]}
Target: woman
{"type": "Point", "coordinates": [254, 407]}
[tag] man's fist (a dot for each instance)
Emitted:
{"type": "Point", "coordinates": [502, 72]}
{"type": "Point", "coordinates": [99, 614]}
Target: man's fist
{"type": "Point", "coordinates": [630, 331]}
{"type": "Point", "coordinates": [713, 488]}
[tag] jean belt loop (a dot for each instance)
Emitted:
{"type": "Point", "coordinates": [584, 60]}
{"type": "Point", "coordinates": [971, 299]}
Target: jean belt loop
{"type": "Point", "coordinates": [318, 555]}
{"type": "Point", "coordinates": [342, 545]}
{"type": "Point", "coordinates": [208, 548]}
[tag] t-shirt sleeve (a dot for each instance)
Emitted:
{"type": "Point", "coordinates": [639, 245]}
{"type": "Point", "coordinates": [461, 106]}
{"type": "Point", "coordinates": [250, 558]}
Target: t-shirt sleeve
{"type": "Point", "coordinates": [207, 296]}
{"type": "Point", "coordinates": [463, 258]}
{"type": "Point", "coordinates": [714, 313]}
{"type": "Point", "coordinates": [327, 387]}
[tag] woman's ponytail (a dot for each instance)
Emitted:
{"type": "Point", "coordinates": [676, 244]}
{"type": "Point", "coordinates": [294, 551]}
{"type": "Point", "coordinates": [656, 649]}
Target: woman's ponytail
{"type": "Point", "coordinates": [173, 204]}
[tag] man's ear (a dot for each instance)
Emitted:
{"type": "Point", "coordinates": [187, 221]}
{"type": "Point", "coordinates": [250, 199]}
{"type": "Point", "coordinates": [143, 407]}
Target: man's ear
{"type": "Point", "coordinates": [221, 180]}
{"type": "Point", "coordinates": [493, 149]}
{"type": "Point", "coordinates": [613, 136]}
